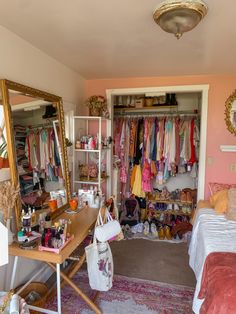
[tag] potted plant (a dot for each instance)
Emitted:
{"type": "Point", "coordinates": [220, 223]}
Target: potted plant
{"type": "Point", "coordinates": [4, 162]}
{"type": "Point", "coordinates": [96, 105]}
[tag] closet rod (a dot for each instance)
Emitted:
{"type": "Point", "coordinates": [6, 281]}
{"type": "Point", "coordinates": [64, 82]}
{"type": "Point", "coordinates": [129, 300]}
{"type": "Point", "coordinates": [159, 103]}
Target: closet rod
{"type": "Point", "coordinates": [40, 125]}
{"type": "Point", "coordinates": [156, 114]}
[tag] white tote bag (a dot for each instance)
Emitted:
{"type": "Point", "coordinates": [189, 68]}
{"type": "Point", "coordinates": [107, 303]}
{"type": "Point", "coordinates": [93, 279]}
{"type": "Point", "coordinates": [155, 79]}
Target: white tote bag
{"type": "Point", "coordinates": [108, 230]}
{"type": "Point", "coordinates": [100, 265]}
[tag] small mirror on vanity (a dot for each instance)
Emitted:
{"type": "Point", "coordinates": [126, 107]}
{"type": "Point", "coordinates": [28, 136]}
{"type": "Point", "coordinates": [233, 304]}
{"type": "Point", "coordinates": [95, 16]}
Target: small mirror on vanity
{"type": "Point", "coordinates": [36, 146]}
{"type": "Point", "coordinates": [230, 113]}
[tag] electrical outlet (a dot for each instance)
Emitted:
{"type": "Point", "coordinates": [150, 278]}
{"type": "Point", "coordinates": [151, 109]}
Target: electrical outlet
{"type": "Point", "coordinates": [233, 167]}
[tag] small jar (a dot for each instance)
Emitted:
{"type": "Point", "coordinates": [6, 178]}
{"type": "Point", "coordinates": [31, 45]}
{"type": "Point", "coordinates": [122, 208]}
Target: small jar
{"type": "Point", "coordinates": [78, 145]}
{"type": "Point", "coordinates": [48, 222]}
{"type": "Point", "coordinates": [52, 205]}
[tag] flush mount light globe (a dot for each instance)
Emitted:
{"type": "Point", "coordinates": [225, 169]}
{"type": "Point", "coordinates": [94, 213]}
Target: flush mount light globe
{"type": "Point", "coordinates": [179, 16]}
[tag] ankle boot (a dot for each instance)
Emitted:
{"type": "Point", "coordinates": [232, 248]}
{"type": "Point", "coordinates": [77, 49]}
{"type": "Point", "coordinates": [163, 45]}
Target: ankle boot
{"type": "Point", "coordinates": [168, 99]}
{"type": "Point", "coordinates": [173, 101]}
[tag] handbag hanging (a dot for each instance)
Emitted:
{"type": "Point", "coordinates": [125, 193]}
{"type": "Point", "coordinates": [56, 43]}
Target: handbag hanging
{"type": "Point", "coordinates": [100, 265]}
{"type": "Point", "coordinates": [108, 230]}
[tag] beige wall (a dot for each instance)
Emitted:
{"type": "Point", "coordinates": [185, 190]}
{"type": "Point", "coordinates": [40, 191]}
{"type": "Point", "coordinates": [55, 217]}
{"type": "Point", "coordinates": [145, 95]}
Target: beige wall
{"type": "Point", "coordinates": [23, 63]}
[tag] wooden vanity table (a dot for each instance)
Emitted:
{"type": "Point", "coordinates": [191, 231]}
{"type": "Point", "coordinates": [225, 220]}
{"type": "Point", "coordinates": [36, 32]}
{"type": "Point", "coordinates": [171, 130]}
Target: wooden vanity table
{"type": "Point", "coordinates": [82, 223]}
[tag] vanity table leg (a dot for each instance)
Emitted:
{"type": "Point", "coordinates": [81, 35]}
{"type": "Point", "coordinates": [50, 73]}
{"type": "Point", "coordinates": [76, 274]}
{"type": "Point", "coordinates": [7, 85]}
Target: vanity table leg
{"type": "Point", "coordinates": [58, 289]}
{"type": "Point", "coordinates": [13, 275]}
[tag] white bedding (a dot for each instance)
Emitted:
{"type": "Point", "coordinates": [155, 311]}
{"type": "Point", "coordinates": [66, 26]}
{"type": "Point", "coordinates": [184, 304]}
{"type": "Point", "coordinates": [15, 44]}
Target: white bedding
{"type": "Point", "coordinates": [211, 233]}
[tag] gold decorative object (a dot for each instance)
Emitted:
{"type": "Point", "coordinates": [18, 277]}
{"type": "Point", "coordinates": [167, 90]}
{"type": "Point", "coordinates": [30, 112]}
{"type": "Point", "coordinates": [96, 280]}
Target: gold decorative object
{"type": "Point", "coordinates": [6, 300]}
{"type": "Point", "coordinates": [97, 105]}
{"type": "Point", "coordinates": [8, 196]}
{"type": "Point", "coordinates": [179, 16]}
{"type": "Point", "coordinates": [7, 87]}
{"type": "Point", "coordinates": [230, 113]}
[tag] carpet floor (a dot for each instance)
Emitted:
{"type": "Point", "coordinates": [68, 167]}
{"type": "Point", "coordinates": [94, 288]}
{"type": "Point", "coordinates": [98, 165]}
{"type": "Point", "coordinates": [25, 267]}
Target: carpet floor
{"type": "Point", "coordinates": [158, 261]}
{"type": "Point", "coordinates": [128, 295]}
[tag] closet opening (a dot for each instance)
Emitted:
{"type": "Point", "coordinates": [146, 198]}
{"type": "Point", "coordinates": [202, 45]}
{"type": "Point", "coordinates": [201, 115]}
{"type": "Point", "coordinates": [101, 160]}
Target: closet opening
{"type": "Point", "coordinates": [158, 158]}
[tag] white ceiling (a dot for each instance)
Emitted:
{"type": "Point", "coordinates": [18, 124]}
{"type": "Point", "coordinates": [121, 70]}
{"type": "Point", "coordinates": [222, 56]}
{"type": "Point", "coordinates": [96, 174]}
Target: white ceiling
{"type": "Point", "coordinates": [118, 38]}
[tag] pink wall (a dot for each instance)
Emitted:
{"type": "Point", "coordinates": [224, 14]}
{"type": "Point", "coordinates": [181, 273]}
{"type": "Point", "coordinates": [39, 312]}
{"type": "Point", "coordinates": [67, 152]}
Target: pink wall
{"type": "Point", "coordinates": [217, 134]}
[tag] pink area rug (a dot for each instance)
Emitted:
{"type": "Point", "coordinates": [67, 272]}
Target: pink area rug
{"type": "Point", "coordinates": [128, 296]}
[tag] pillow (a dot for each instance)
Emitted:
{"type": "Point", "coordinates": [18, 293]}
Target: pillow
{"type": "Point", "coordinates": [231, 213]}
{"type": "Point", "coordinates": [219, 201]}
{"type": "Point", "coordinates": [200, 204]}
{"type": "Point", "coordinates": [215, 187]}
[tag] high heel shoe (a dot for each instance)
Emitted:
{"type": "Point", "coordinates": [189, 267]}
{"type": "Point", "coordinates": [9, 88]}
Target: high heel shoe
{"type": "Point", "coordinates": [167, 233]}
{"type": "Point", "coordinates": [161, 234]}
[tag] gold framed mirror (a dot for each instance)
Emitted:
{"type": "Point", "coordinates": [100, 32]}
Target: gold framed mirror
{"type": "Point", "coordinates": [230, 113]}
{"type": "Point", "coordinates": [36, 148]}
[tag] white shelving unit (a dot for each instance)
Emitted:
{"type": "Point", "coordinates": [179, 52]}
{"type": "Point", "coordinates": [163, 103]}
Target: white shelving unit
{"type": "Point", "coordinates": [77, 153]}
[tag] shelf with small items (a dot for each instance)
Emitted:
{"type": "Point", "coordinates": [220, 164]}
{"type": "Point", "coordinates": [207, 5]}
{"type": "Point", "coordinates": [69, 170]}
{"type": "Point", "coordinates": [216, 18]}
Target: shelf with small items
{"type": "Point", "coordinates": [91, 152]}
{"type": "Point", "coordinates": [171, 212]}
{"type": "Point", "coordinates": [171, 201]}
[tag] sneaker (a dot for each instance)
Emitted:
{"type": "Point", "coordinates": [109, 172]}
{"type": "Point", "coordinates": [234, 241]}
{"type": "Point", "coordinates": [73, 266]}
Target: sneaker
{"type": "Point", "coordinates": [128, 232]}
{"type": "Point", "coordinates": [154, 230]}
{"type": "Point", "coordinates": [137, 228]}
{"type": "Point", "coordinates": [140, 227]}
{"type": "Point", "coordinates": [176, 207]}
{"type": "Point", "coordinates": [146, 228]}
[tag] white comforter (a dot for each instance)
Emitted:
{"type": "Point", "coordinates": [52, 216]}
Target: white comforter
{"type": "Point", "coordinates": [211, 233]}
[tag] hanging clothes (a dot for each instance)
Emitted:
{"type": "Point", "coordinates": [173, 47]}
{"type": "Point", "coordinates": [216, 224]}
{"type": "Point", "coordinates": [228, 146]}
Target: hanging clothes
{"type": "Point", "coordinates": [153, 149]}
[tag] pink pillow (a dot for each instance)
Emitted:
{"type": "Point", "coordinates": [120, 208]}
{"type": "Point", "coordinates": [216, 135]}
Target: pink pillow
{"type": "Point", "coordinates": [215, 187]}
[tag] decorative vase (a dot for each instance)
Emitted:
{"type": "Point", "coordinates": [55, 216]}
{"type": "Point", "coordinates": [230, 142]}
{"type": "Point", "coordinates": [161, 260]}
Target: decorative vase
{"type": "Point", "coordinates": [10, 234]}
{"type": "Point", "coordinates": [95, 112]}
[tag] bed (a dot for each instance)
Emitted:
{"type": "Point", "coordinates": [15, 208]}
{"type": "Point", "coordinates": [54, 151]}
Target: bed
{"type": "Point", "coordinates": [211, 233]}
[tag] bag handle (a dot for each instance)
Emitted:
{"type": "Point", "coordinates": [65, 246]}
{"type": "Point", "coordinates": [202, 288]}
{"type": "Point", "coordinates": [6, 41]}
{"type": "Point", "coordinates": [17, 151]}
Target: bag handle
{"type": "Point", "coordinates": [108, 217]}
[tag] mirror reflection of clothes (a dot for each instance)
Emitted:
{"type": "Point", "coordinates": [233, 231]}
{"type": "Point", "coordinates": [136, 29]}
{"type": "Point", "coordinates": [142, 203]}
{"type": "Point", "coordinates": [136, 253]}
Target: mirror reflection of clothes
{"type": "Point", "coordinates": [38, 156]}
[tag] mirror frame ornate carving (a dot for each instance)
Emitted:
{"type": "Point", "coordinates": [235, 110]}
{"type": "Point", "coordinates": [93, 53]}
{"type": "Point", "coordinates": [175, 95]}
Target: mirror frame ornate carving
{"type": "Point", "coordinates": [5, 86]}
{"type": "Point", "coordinates": [228, 107]}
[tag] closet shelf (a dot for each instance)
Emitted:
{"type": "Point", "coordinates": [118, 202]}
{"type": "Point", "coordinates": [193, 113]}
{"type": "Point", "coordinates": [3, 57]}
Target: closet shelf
{"type": "Point", "coordinates": [91, 118]}
{"type": "Point", "coordinates": [89, 181]}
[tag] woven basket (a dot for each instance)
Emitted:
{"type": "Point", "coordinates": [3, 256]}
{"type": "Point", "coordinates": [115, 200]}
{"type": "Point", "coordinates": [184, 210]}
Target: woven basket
{"type": "Point", "coordinates": [95, 112]}
{"type": "Point", "coordinates": [39, 288]}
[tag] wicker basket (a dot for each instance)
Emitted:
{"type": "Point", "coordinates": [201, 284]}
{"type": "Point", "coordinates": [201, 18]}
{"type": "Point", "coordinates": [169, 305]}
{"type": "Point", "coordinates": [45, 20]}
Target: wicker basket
{"type": "Point", "coordinates": [95, 112]}
{"type": "Point", "coordinates": [38, 287]}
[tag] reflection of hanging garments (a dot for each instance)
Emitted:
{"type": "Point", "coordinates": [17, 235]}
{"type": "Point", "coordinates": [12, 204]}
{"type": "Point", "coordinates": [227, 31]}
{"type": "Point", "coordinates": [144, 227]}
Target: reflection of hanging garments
{"type": "Point", "coordinates": [44, 156]}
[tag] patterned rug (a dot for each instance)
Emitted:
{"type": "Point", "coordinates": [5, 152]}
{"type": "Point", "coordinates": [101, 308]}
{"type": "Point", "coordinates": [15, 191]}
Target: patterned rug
{"type": "Point", "coordinates": [128, 295]}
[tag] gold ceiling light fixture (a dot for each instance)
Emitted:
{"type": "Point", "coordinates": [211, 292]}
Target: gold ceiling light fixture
{"type": "Point", "coordinates": [179, 16]}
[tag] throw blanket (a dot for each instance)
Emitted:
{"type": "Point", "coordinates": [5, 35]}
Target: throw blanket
{"type": "Point", "coordinates": [218, 285]}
